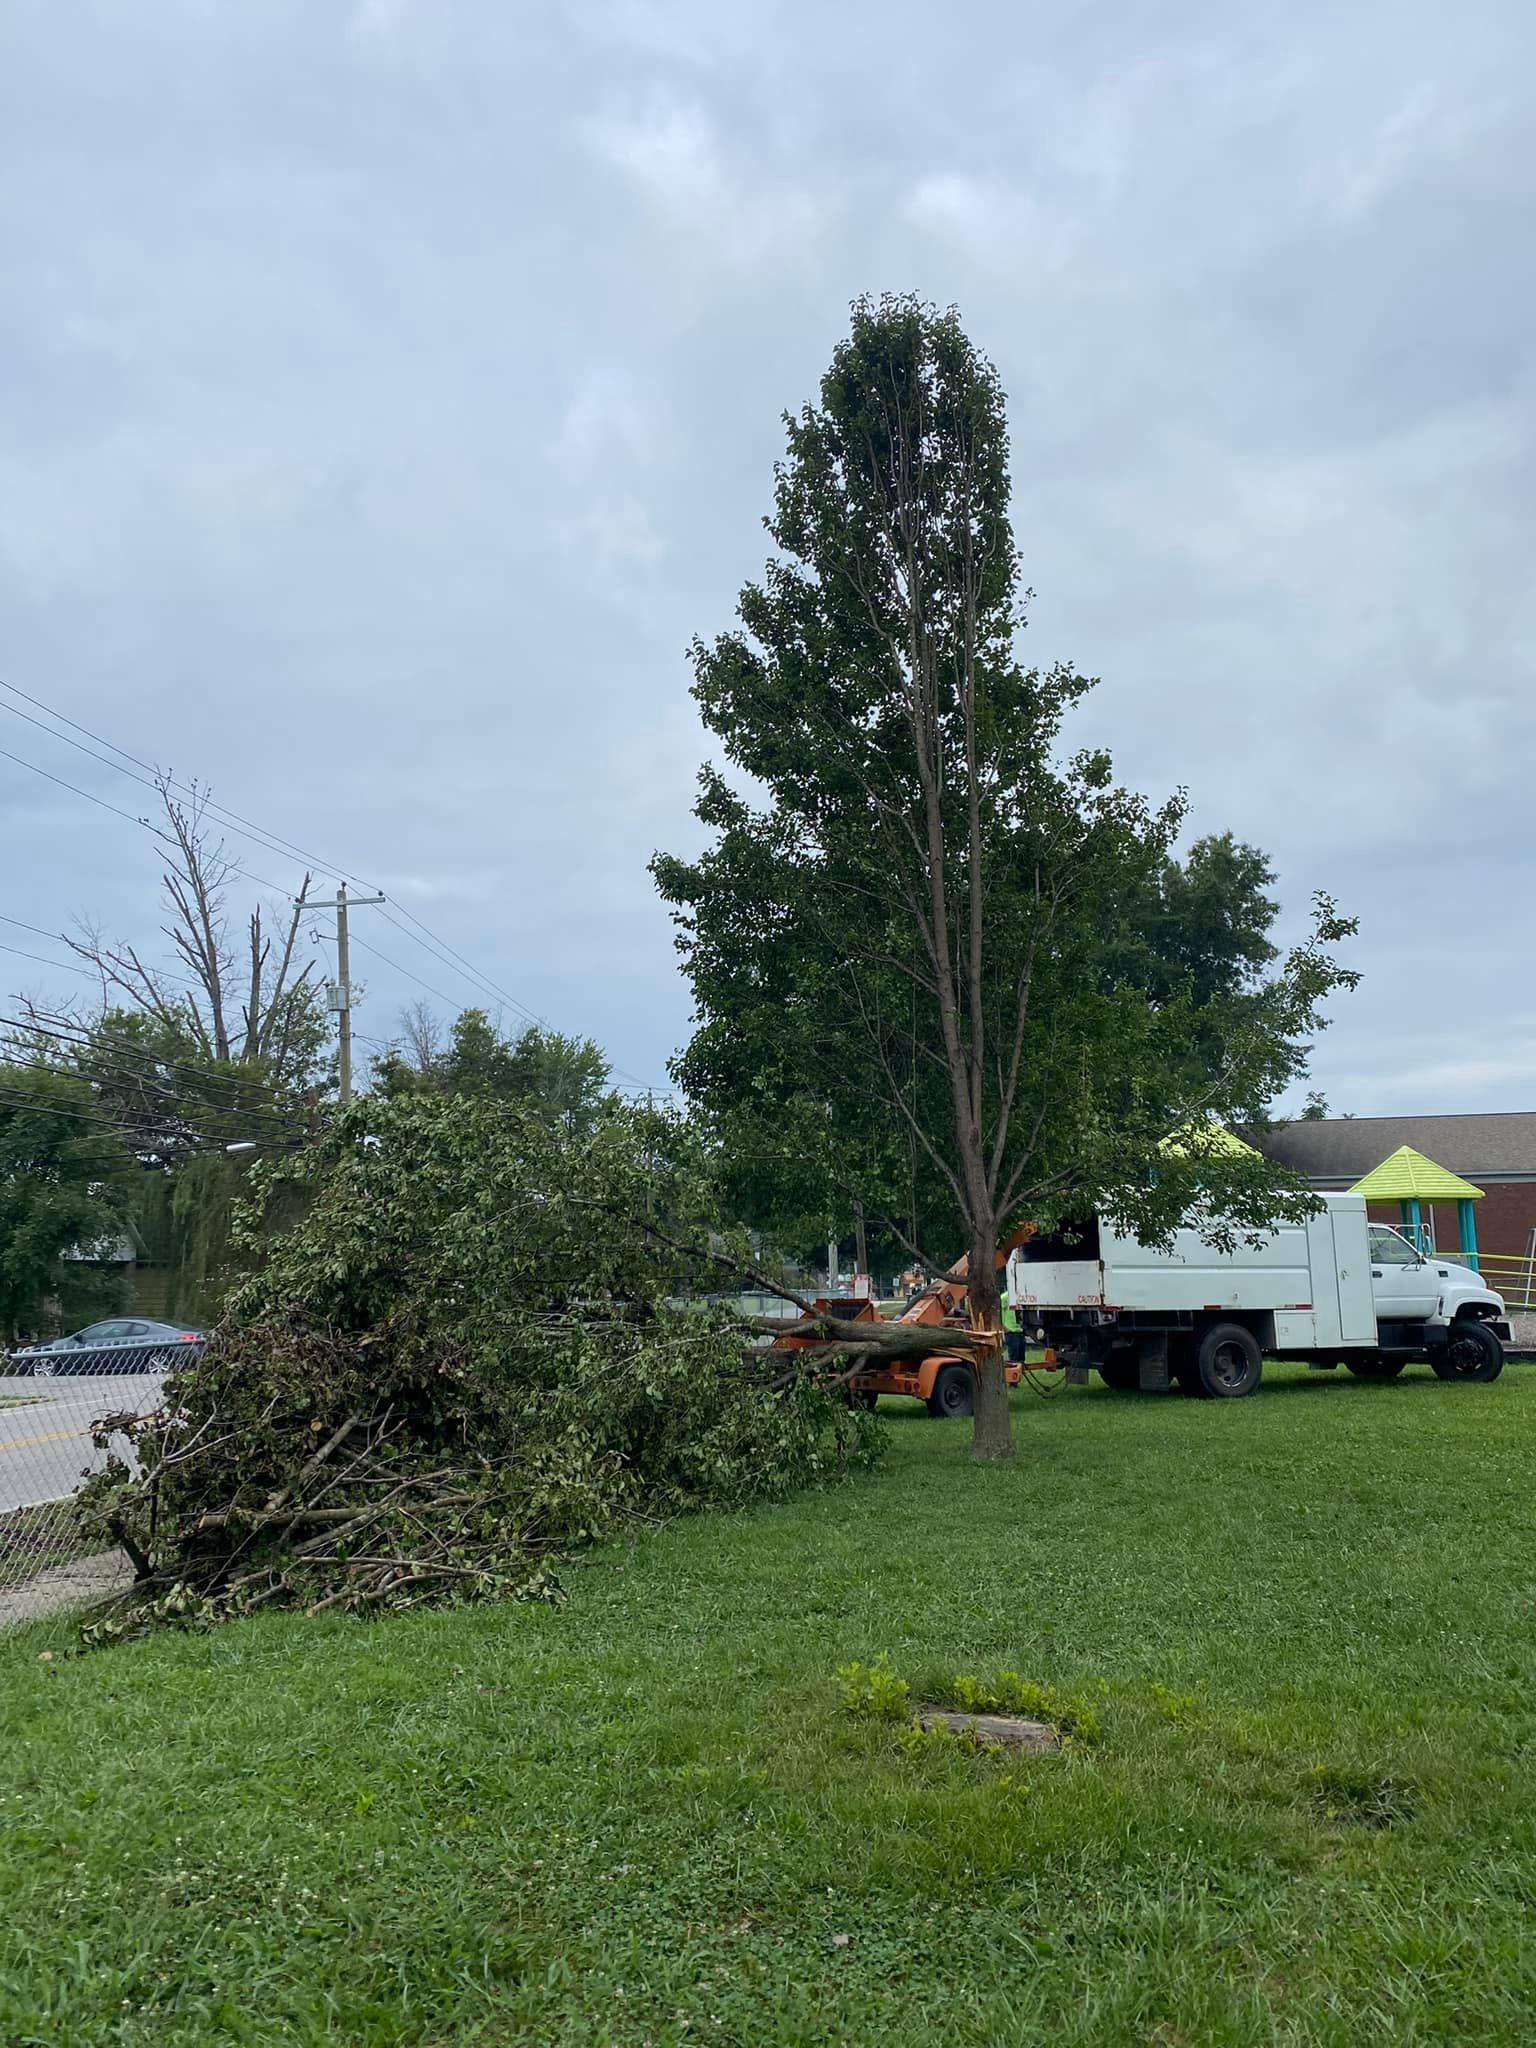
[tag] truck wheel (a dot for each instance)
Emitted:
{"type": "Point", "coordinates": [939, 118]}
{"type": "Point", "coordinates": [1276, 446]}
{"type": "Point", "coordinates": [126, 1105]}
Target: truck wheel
{"type": "Point", "coordinates": [1375, 1368]}
{"type": "Point", "coordinates": [1472, 1353]}
{"type": "Point", "coordinates": [1123, 1374]}
{"type": "Point", "coordinates": [954, 1393]}
{"type": "Point", "coordinates": [1228, 1363]}
{"type": "Point", "coordinates": [863, 1398]}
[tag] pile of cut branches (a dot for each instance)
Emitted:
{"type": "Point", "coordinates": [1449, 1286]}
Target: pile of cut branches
{"type": "Point", "coordinates": [482, 1346]}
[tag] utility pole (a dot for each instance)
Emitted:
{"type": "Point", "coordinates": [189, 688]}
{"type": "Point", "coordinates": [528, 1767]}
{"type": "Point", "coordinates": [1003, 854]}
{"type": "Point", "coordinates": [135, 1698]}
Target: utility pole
{"type": "Point", "coordinates": [341, 1002]}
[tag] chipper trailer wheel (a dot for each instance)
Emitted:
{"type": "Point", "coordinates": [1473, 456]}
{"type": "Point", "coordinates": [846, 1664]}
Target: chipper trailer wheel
{"type": "Point", "coordinates": [954, 1393]}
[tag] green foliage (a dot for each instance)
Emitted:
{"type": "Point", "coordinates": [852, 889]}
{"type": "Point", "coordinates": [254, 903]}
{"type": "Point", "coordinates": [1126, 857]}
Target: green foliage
{"type": "Point", "coordinates": [475, 1348]}
{"type": "Point", "coordinates": [562, 1079]}
{"type": "Point", "coordinates": [874, 1692]}
{"type": "Point", "coordinates": [63, 1185]}
{"type": "Point", "coordinates": [204, 1192]}
{"type": "Point", "coordinates": [150, 1075]}
{"type": "Point", "coordinates": [154, 1076]}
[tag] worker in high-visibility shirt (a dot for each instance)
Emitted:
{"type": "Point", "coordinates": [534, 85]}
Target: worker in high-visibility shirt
{"type": "Point", "coordinates": [1013, 1336]}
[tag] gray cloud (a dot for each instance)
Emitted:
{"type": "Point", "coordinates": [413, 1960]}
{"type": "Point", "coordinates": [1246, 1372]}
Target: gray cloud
{"type": "Point", "coordinates": [388, 391]}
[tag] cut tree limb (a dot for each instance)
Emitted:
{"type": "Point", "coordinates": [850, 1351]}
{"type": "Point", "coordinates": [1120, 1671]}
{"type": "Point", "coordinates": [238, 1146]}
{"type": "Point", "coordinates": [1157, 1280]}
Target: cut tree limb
{"type": "Point", "coordinates": [886, 1340]}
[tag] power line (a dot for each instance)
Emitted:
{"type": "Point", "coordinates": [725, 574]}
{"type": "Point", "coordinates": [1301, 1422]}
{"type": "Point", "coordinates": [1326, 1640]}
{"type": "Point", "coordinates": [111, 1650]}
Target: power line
{"type": "Point", "coordinates": [75, 790]}
{"type": "Point", "coordinates": [173, 1135]}
{"type": "Point", "coordinates": [145, 1057]}
{"type": "Point", "coordinates": [446, 954]}
{"type": "Point", "coordinates": [97, 1118]}
{"type": "Point", "coordinates": [22, 925]}
{"type": "Point", "coordinates": [443, 952]}
{"type": "Point", "coordinates": [67, 965]}
{"type": "Point", "coordinates": [369, 947]}
{"type": "Point", "coordinates": [259, 834]}
{"type": "Point", "coordinates": [71, 966]}
{"type": "Point", "coordinates": [155, 778]}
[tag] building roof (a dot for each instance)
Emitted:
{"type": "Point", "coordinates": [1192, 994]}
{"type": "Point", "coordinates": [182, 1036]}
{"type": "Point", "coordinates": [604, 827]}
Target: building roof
{"type": "Point", "coordinates": [104, 1251]}
{"type": "Point", "coordinates": [1493, 1146]}
{"type": "Point", "coordinates": [1407, 1176]}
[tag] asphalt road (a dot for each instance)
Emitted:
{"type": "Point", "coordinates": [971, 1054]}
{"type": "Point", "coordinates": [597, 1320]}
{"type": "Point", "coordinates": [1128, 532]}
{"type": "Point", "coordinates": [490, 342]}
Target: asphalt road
{"type": "Point", "coordinates": [46, 1447]}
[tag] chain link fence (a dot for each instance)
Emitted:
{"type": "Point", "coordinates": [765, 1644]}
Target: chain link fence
{"type": "Point", "coordinates": [54, 1402]}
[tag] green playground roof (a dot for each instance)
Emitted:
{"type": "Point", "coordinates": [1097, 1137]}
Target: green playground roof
{"type": "Point", "coordinates": [1205, 1139]}
{"type": "Point", "coordinates": [1407, 1176]}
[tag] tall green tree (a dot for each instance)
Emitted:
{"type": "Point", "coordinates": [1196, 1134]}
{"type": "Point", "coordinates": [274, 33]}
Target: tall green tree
{"type": "Point", "coordinates": [912, 940]}
{"type": "Point", "coordinates": [563, 1079]}
{"type": "Point", "coordinates": [65, 1186]}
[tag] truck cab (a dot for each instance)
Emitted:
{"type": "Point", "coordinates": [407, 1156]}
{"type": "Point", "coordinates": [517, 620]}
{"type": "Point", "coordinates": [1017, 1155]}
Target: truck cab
{"type": "Point", "coordinates": [1411, 1286]}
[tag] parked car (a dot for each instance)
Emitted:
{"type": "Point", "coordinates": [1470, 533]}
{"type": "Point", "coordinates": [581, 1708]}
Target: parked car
{"type": "Point", "coordinates": [123, 1344]}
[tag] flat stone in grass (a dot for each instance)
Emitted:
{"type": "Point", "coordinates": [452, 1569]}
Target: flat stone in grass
{"type": "Point", "coordinates": [1004, 1731]}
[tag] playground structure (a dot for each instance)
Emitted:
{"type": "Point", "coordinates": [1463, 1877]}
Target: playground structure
{"type": "Point", "coordinates": [1415, 1182]}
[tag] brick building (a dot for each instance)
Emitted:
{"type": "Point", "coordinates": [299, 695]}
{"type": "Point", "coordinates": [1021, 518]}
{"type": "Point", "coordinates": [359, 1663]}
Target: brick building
{"type": "Point", "coordinates": [1496, 1152]}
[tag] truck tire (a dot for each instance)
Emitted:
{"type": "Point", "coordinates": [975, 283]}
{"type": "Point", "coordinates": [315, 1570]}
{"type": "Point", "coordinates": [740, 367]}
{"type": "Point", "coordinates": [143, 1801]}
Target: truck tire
{"type": "Point", "coordinates": [1375, 1367]}
{"type": "Point", "coordinates": [1121, 1373]}
{"type": "Point", "coordinates": [1228, 1363]}
{"type": "Point", "coordinates": [954, 1393]}
{"type": "Point", "coordinates": [1472, 1353]}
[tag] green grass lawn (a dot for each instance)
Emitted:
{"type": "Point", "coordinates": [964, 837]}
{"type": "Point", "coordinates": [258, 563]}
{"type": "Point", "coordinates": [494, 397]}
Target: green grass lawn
{"type": "Point", "coordinates": [1310, 1816]}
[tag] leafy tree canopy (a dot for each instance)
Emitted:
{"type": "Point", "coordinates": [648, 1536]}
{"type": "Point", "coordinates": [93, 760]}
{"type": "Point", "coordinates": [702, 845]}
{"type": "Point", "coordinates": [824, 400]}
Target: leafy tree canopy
{"type": "Point", "coordinates": [563, 1079]}
{"type": "Point", "coordinates": [64, 1186]}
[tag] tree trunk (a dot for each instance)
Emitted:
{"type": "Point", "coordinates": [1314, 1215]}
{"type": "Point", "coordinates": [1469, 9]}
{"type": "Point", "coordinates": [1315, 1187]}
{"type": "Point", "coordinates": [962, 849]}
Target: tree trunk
{"type": "Point", "coordinates": [992, 1433]}
{"type": "Point", "coordinates": [860, 1248]}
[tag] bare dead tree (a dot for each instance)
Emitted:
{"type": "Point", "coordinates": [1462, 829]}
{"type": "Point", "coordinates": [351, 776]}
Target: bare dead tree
{"type": "Point", "coordinates": [248, 1004]}
{"type": "Point", "coordinates": [421, 1036]}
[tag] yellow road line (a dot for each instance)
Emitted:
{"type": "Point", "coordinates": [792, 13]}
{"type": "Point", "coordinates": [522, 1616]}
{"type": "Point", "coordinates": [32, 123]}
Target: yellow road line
{"type": "Point", "coordinates": [54, 1436]}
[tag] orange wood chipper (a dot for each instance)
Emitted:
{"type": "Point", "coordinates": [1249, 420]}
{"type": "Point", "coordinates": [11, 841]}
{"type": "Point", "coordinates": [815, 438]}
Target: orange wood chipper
{"type": "Point", "coordinates": [945, 1382]}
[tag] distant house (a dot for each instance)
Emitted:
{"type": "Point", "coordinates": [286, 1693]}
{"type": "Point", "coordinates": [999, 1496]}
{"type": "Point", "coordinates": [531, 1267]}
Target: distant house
{"type": "Point", "coordinates": [1496, 1151]}
{"type": "Point", "coordinates": [125, 1254]}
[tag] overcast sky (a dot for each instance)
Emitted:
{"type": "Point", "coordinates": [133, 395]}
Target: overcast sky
{"type": "Point", "coordinates": [389, 391]}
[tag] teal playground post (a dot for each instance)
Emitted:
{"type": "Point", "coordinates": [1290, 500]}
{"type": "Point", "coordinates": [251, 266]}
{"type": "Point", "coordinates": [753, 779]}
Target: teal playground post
{"type": "Point", "coordinates": [1466, 1218]}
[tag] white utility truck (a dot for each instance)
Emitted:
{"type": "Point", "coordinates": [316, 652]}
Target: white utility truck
{"type": "Point", "coordinates": [1334, 1290]}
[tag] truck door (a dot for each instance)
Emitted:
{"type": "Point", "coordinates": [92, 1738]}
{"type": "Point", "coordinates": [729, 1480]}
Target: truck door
{"type": "Point", "coordinates": [1350, 1279]}
{"type": "Point", "coordinates": [1406, 1287]}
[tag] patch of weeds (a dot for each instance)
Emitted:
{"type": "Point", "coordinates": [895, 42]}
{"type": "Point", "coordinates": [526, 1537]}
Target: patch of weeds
{"type": "Point", "coordinates": [1173, 1706]}
{"type": "Point", "coordinates": [1356, 1798]}
{"type": "Point", "coordinates": [874, 1692]}
{"type": "Point", "coordinates": [877, 1692]}
{"type": "Point", "coordinates": [920, 1744]}
{"type": "Point", "coordinates": [1009, 1693]}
